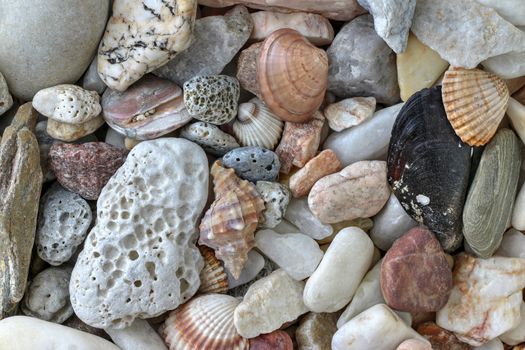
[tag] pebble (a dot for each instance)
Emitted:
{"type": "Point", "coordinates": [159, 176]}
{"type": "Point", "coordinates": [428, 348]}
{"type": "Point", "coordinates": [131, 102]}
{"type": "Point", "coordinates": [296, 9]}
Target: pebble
{"type": "Point", "coordinates": [212, 98]}
{"type": "Point", "coordinates": [45, 141]}
{"type": "Point", "coordinates": [512, 10]}
{"type": "Point", "coordinates": [414, 344]}
{"type": "Point", "coordinates": [241, 290]}
{"type": "Point", "coordinates": [276, 198]}
{"type": "Point", "coordinates": [362, 64]}
{"type": "Point", "coordinates": [91, 80]}
{"type": "Point", "coordinates": [485, 300]}
{"type": "Point", "coordinates": [47, 335]}
{"type": "Point", "coordinates": [247, 69]}
{"type": "Point", "coordinates": [141, 255]}
{"type": "Point", "coordinates": [140, 38]}
{"type": "Point", "coordinates": [418, 67]}
{"type": "Point", "coordinates": [138, 336]}
{"type": "Point", "coordinates": [377, 328]}
{"type": "Point", "coordinates": [345, 263]}
{"type": "Point", "coordinates": [298, 213]}
{"type": "Point", "coordinates": [268, 304]}
{"type": "Point", "coordinates": [299, 142]}
{"type": "Point", "coordinates": [457, 31]}
{"type": "Point", "coordinates": [488, 207]}
{"type": "Point", "coordinates": [516, 113]}
{"type": "Point", "coordinates": [517, 334]}
{"type": "Point", "coordinates": [76, 323]}
{"type": "Point", "coordinates": [216, 41]}
{"type": "Point", "coordinates": [20, 186]}
{"type": "Point", "coordinates": [85, 168]}
{"type": "Point", "coordinates": [349, 112]}
{"type": "Point", "coordinates": [302, 181]}
{"type": "Point", "coordinates": [392, 20]}
{"type": "Point", "coordinates": [368, 141]}
{"type": "Point", "coordinates": [277, 340]}
{"type": "Point", "coordinates": [295, 253]}
{"type": "Point", "coordinates": [209, 137]}
{"type": "Point", "coordinates": [115, 138]}
{"type": "Point", "coordinates": [512, 245]}
{"type": "Point", "coordinates": [317, 29]}
{"type": "Point", "coordinates": [72, 132]}
{"type": "Point", "coordinates": [440, 338]}
{"type": "Point", "coordinates": [315, 331]}
{"type": "Point", "coordinates": [6, 100]}
{"type": "Point", "coordinates": [253, 163]}
{"type": "Point", "coordinates": [38, 39]}
{"type": "Point", "coordinates": [494, 344]}
{"type": "Point", "coordinates": [508, 66]}
{"type": "Point", "coordinates": [358, 191]}
{"type": "Point", "coordinates": [251, 269]}
{"type": "Point", "coordinates": [286, 227]}
{"type": "Point", "coordinates": [47, 295]}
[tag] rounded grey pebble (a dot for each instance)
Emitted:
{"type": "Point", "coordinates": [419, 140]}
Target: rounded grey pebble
{"type": "Point", "coordinates": [212, 139]}
{"type": "Point", "coordinates": [276, 198]}
{"type": "Point", "coordinates": [253, 163]}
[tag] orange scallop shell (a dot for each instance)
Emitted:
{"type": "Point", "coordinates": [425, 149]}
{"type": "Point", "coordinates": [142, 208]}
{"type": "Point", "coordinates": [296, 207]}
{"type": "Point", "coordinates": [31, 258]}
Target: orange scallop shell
{"type": "Point", "coordinates": [213, 277]}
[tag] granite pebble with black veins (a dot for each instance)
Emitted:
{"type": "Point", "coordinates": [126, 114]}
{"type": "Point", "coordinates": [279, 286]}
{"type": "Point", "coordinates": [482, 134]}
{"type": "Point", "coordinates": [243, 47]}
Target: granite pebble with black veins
{"type": "Point", "coordinates": [253, 163]}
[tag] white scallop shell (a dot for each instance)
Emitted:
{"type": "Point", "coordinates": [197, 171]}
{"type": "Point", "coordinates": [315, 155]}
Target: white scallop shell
{"type": "Point", "coordinates": [256, 125]}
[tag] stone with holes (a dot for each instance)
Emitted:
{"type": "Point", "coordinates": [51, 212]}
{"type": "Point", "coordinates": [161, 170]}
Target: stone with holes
{"type": "Point", "coordinates": [209, 137]}
{"type": "Point", "coordinates": [140, 259]}
{"type": "Point", "coordinates": [253, 163]}
{"type": "Point", "coordinates": [276, 198]}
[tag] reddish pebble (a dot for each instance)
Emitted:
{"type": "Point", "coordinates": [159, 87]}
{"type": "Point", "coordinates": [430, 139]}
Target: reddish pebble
{"type": "Point", "coordinates": [440, 338]}
{"type": "Point", "coordinates": [278, 340]}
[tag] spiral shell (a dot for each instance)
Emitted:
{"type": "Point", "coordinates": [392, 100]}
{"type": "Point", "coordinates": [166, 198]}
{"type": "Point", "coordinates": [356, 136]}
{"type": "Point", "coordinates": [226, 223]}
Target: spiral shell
{"type": "Point", "coordinates": [292, 75]}
{"type": "Point", "coordinates": [205, 322]}
{"type": "Point", "coordinates": [475, 102]}
{"type": "Point", "coordinates": [213, 277]}
{"type": "Point", "coordinates": [256, 125]}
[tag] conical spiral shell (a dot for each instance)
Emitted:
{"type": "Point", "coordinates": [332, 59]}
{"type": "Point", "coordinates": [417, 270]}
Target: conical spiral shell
{"type": "Point", "coordinates": [213, 277]}
{"type": "Point", "coordinates": [292, 75]}
{"type": "Point", "coordinates": [228, 226]}
{"type": "Point", "coordinates": [256, 125]}
{"type": "Point", "coordinates": [205, 322]}
{"type": "Point", "coordinates": [475, 102]}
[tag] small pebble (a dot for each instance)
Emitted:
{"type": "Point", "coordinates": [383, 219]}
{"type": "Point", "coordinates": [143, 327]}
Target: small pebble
{"type": "Point", "coordinates": [414, 344]}
{"type": "Point", "coordinates": [6, 100]}
{"type": "Point", "coordinates": [45, 141]}
{"type": "Point", "coordinates": [247, 69]}
{"type": "Point", "coordinates": [517, 334]}
{"type": "Point", "coordinates": [277, 340]}
{"type": "Point", "coordinates": [350, 112]}
{"type": "Point", "coordinates": [316, 331]}
{"type": "Point", "coordinates": [276, 198]}
{"type": "Point", "coordinates": [209, 137]}
{"type": "Point", "coordinates": [140, 335]}
{"type": "Point", "coordinates": [440, 338]}
{"type": "Point", "coordinates": [91, 80]}
{"type": "Point", "coordinates": [512, 245]}
{"type": "Point", "coordinates": [253, 163]}
{"type": "Point", "coordinates": [300, 215]}
{"type": "Point", "coordinates": [72, 132]}
{"type": "Point", "coordinates": [251, 269]}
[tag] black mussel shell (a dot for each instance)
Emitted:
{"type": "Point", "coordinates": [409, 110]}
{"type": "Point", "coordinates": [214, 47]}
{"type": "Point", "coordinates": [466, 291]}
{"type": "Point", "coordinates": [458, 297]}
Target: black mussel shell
{"type": "Point", "coordinates": [429, 166]}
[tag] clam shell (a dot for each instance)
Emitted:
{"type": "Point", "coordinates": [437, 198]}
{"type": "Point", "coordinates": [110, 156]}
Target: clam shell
{"type": "Point", "coordinates": [256, 125]}
{"type": "Point", "coordinates": [475, 102]}
{"type": "Point", "coordinates": [213, 277]}
{"type": "Point", "coordinates": [292, 75]}
{"type": "Point", "coordinates": [205, 322]}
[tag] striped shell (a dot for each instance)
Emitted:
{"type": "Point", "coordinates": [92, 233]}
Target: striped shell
{"type": "Point", "coordinates": [475, 102]}
{"type": "Point", "coordinates": [205, 322]}
{"type": "Point", "coordinates": [256, 125]}
{"type": "Point", "coordinates": [213, 277]}
{"type": "Point", "coordinates": [228, 226]}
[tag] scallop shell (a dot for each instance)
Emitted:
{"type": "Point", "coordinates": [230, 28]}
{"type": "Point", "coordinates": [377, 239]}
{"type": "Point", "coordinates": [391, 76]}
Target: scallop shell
{"type": "Point", "coordinates": [213, 277]}
{"type": "Point", "coordinates": [256, 125]}
{"type": "Point", "coordinates": [205, 322]}
{"type": "Point", "coordinates": [475, 102]}
{"type": "Point", "coordinates": [292, 75]}
{"type": "Point", "coordinates": [228, 226]}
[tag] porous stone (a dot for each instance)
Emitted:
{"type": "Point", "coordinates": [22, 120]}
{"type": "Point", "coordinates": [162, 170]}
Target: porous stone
{"type": "Point", "coordinates": [20, 186]}
{"type": "Point", "coordinates": [216, 40]}
{"type": "Point", "coordinates": [276, 198]}
{"type": "Point", "coordinates": [212, 98]}
{"type": "Point", "coordinates": [85, 168]}
{"type": "Point", "coordinates": [47, 295]}
{"type": "Point", "coordinates": [45, 141]}
{"type": "Point", "coordinates": [517, 334]}
{"type": "Point", "coordinates": [298, 213]}
{"type": "Point", "coordinates": [488, 207]}
{"type": "Point", "coordinates": [512, 245]}
{"type": "Point", "coordinates": [209, 137]}
{"type": "Point", "coordinates": [349, 112]}
{"type": "Point", "coordinates": [40, 41]}
{"type": "Point", "coordinates": [464, 33]}
{"type": "Point", "coordinates": [251, 269]}
{"type": "Point", "coordinates": [358, 191]}
{"type": "Point", "coordinates": [440, 338]}
{"type": "Point", "coordinates": [392, 20]}
{"type": "Point", "coordinates": [140, 259]}
{"type": "Point", "coordinates": [91, 80]}
{"type": "Point", "coordinates": [253, 163]}
{"type": "Point", "coordinates": [63, 221]}
{"type": "Point", "coordinates": [73, 132]}
{"type": "Point", "coordinates": [362, 64]}
{"type": "Point", "coordinates": [141, 37]}
{"type": "Point", "coordinates": [485, 300]}
{"type": "Point", "coordinates": [315, 331]}
{"type": "Point", "coordinates": [140, 335]}
{"type": "Point", "coordinates": [342, 268]}
{"type": "Point", "coordinates": [512, 10]}
{"type": "Point", "coordinates": [6, 100]}
{"type": "Point", "coordinates": [268, 304]}
{"type": "Point", "coordinates": [247, 69]}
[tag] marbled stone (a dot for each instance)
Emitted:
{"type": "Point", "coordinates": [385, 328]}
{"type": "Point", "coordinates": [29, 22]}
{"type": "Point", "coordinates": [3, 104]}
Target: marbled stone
{"type": "Point", "coordinates": [276, 198]}
{"type": "Point", "coordinates": [91, 80]}
{"type": "Point", "coordinates": [440, 338]}
{"type": "Point", "coordinates": [253, 163]}
{"type": "Point", "coordinates": [216, 40]}
{"type": "Point", "coordinates": [247, 69]}
{"type": "Point", "coordinates": [512, 10]}
{"type": "Point", "coordinates": [349, 112]}
{"type": "Point", "coordinates": [277, 340]}
{"type": "Point", "coordinates": [209, 137]}
{"type": "Point", "coordinates": [143, 36]}
{"type": "Point", "coordinates": [517, 334]}
{"type": "Point", "coordinates": [302, 181]}
{"type": "Point", "coordinates": [315, 331]}
{"type": "Point", "coordinates": [6, 100]}
{"type": "Point", "coordinates": [362, 64]}
{"type": "Point", "coordinates": [298, 213]}
{"type": "Point", "coordinates": [72, 132]}
{"type": "Point", "coordinates": [251, 269]}
{"type": "Point", "coordinates": [512, 245]}
{"type": "Point", "coordinates": [140, 335]}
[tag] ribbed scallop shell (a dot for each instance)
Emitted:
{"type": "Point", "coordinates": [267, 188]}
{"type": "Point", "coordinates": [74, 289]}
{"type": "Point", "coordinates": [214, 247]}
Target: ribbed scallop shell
{"type": "Point", "coordinates": [205, 322]}
{"type": "Point", "coordinates": [228, 226]}
{"type": "Point", "coordinates": [475, 102]}
{"type": "Point", "coordinates": [256, 125]}
{"type": "Point", "coordinates": [213, 277]}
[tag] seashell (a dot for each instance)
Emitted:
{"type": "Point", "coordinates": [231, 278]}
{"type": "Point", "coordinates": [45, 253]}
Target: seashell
{"type": "Point", "coordinates": [429, 166]}
{"type": "Point", "coordinates": [256, 125]}
{"type": "Point", "coordinates": [150, 108]}
{"type": "Point", "coordinates": [205, 322]}
{"type": "Point", "coordinates": [292, 75]}
{"type": "Point", "coordinates": [475, 102]}
{"type": "Point", "coordinates": [213, 277]}
{"type": "Point", "coordinates": [228, 226]}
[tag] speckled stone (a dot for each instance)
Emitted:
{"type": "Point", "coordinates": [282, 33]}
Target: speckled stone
{"type": "Point", "coordinates": [6, 100]}
{"type": "Point", "coordinates": [212, 98]}
{"type": "Point", "coordinates": [247, 69]}
{"type": "Point", "coordinates": [209, 137]}
{"type": "Point", "coordinates": [253, 163]}
{"type": "Point", "coordinates": [316, 330]}
{"type": "Point", "coordinates": [276, 198]}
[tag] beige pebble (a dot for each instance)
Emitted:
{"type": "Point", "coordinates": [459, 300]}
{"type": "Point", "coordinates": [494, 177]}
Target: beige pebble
{"type": "Point", "coordinates": [350, 112]}
{"type": "Point", "coordinates": [72, 132]}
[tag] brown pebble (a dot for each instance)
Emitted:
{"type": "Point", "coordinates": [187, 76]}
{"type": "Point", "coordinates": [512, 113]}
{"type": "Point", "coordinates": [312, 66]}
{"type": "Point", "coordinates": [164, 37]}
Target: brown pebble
{"type": "Point", "coordinates": [277, 340]}
{"type": "Point", "coordinates": [247, 69]}
{"type": "Point", "coordinates": [440, 338]}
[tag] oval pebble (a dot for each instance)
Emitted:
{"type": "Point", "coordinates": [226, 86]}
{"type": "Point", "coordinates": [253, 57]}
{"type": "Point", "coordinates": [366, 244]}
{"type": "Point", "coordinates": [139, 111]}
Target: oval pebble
{"type": "Point", "coordinates": [253, 163]}
{"type": "Point", "coordinates": [276, 198]}
{"type": "Point", "coordinates": [209, 137]}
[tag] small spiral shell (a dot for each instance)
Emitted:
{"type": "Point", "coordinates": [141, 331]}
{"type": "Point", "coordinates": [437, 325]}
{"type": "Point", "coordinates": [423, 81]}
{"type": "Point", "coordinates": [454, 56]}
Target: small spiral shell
{"type": "Point", "coordinates": [213, 277]}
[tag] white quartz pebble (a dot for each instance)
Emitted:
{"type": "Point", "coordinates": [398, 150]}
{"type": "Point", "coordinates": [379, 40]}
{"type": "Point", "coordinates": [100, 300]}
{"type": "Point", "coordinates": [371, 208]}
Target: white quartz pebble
{"type": "Point", "coordinates": [512, 245]}
{"type": "Point", "coordinates": [252, 267]}
{"type": "Point", "coordinates": [299, 214]}
{"type": "Point", "coordinates": [494, 344]}
{"type": "Point", "coordinates": [138, 336]}
{"type": "Point", "coordinates": [517, 334]}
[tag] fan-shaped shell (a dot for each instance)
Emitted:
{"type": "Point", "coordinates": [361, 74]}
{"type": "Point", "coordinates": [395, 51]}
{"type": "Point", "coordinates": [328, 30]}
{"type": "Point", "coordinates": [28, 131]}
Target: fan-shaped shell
{"type": "Point", "coordinates": [292, 75]}
{"type": "Point", "coordinates": [213, 277]}
{"type": "Point", "coordinates": [256, 125]}
{"type": "Point", "coordinates": [475, 102]}
{"type": "Point", "coordinates": [205, 322]}
{"type": "Point", "coordinates": [228, 226]}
